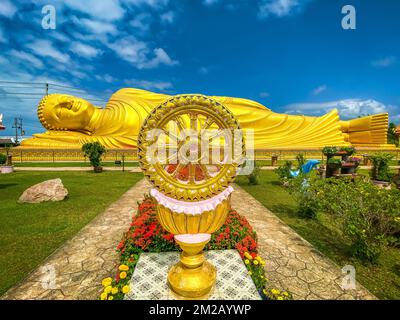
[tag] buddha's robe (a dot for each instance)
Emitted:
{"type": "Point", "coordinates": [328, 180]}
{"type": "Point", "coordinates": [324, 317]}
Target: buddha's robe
{"type": "Point", "coordinates": [118, 124]}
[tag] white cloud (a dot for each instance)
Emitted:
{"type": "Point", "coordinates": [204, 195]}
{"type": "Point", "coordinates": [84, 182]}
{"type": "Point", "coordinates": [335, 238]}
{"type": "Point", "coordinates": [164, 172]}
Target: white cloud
{"type": "Point", "coordinates": [264, 94]}
{"type": "Point", "coordinates": [203, 70]}
{"type": "Point", "coordinates": [384, 62]}
{"type": "Point", "coordinates": [103, 10]}
{"type": "Point", "coordinates": [280, 8]}
{"type": "Point", "coordinates": [99, 27]}
{"type": "Point", "coordinates": [44, 48]}
{"type": "Point", "coordinates": [149, 85]}
{"type": "Point", "coordinates": [7, 9]}
{"type": "Point", "coordinates": [2, 37]}
{"type": "Point", "coordinates": [319, 89]}
{"type": "Point", "coordinates": [161, 57]}
{"type": "Point", "coordinates": [4, 60]}
{"type": "Point", "coordinates": [348, 108]}
{"type": "Point", "coordinates": [142, 21]}
{"type": "Point", "coordinates": [168, 17]}
{"type": "Point", "coordinates": [152, 3]}
{"type": "Point", "coordinates": [138, 53]}
{"type": "Point", "coordinates": [210, 2]}
{"type": "Point", "coordinates": [105, 77]}
{"type": "Point", "coordinates": [27, 57]}
{"type": "Point", "coordinates": [85, 50]}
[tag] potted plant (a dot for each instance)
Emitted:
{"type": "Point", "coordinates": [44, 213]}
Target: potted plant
{"type": "Point", "coordinates": [351, 165]}
{"type": "Point", "coordinates": [347, 150]}
{"type": "Point", "coordinates": [333, 167]}
{"type": "Point", "coordinates": [94, 152]}
{"type": "Point", "coordinates": [329, 151]}
{"type": "Point", "coordinates": [380, 172]}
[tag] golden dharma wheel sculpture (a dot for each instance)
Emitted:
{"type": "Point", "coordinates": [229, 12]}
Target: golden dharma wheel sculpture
{"type": "Point", "coordinates": [190, 147]}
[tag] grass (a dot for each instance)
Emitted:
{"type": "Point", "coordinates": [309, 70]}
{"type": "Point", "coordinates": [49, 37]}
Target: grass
{"type": "Point", "coordinates": [71, 164]}
{"type": "Point", "coordinates": [31, 232]}
{"type": "Point", "coordinates": [382, 279]}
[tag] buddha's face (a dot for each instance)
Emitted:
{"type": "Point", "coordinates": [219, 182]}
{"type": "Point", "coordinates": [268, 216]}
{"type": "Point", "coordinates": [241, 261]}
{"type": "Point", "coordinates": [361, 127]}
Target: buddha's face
{"type": "Point", "coordinates": [65, 112]}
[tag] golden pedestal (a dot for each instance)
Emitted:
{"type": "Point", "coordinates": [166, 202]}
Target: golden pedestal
{"type": "Point", "coordinates": [192, 277]}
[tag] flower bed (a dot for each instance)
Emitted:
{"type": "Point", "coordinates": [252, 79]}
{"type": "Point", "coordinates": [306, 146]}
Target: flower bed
{"type": "Point", "coordinates": [146, 235]}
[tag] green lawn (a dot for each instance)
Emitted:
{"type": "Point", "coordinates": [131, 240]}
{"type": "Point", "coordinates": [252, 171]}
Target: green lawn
{"type": "Point", "coordinates": [31, 232]}
{"type": "Point", "coordinates": [71, 164]}
{"type": "Point", "coordinates": [382, 279]}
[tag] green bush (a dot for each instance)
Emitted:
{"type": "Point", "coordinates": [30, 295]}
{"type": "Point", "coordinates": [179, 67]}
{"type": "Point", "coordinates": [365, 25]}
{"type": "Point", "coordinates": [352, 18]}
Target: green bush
{"type": "Point", "coordinates": [283, 171]}
{"type": "Point", "coordinates": [365, 214]}
{"type": "Point", "coordinates": [254, 177]}
{"type": "Point", "coordinates": [301, 160]}
{"type": "Point", "coordinates": [3, 159]}
{"type": "Point", "coordinates": [306, 202]}
{"type": "Point", "coordinates": [380, 166]}
{"type": "Point", "coordinates": [94, 152]}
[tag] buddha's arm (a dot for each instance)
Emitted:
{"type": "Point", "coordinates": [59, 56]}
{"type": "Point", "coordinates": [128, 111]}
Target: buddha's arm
{"type": "Point", "coordinates": [54, 139]}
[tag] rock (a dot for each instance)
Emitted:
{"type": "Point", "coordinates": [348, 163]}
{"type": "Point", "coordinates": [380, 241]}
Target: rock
{"type": "Point", "coordinates": [50, 190]}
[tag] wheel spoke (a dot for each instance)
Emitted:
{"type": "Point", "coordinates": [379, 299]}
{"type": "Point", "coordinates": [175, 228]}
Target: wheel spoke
{"type": "Point", "coordinates": [192, 173]}
{"type": "Point", "coordinates": [207, 124]}
{"type": "Point", "coordinates": [205, 171]}
{"type": "Point", "coordinates": [193, 121]}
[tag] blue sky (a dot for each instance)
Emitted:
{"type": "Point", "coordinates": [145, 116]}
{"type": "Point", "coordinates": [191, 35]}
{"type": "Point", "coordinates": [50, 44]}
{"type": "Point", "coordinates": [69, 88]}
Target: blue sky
{"type": "Point", "coordinates": [291, 55]}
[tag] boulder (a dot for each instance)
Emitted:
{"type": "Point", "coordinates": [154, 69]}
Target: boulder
{"type": "Point", "coordinates": [50, 190]}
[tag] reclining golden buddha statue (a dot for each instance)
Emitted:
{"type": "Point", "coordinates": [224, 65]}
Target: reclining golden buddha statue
{"type": "Point", "coordinates": [72, 121]}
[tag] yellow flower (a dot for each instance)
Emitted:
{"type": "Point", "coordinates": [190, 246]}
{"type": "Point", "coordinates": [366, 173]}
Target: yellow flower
{"type": "Point", "coordinates": [125, 289]}
{"type": "Point", "coordinates": [275, 292]}
{"type": "Point", "coordinates": [248, 255]}
{"type": "Point", "coordinates": [110, 298]}
{"type": "Point", "coordinates": [123, 267]}
{"type": "Point", "coordinates": [247, 261]}
{"type": "Point", "coordinates": [103, 296]}
{"type": "Point", "coordinates": [122, 275]}
{"type": "Point", "coordinates": [106, 282]}
{"type": "Point", "coordinates": [107, 289]}
{"type": "Point", "coordinates": [250, 273]}
{"type": "Point", "coordinates": [280, 298]}
{"type": "Point", "coordinates": [265, 291]}
{"type": "Point", "coordinates": [114, 290]}
{"type": "Point", "coordinates": [286, 294]}
{"type": "Point", "coordinates": [255, 262]}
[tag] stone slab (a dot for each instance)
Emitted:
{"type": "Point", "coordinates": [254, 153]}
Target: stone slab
{"type": "Point", "coordinates": [149, 280]}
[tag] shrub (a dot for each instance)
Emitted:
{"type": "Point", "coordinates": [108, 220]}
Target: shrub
{"type": "Point", "coordinates": [283, 171]}
{"type": "Point", "coordinates": [365, 214]}
{"type": "Point", "coordinates": [94, 152]}
{"type": "Point", "coordinates": [3, 159]}
{"type": "Point", "coordinates": [254, 177]}
{"type": "Point", "coordinates": [306, 205]}
{"type": "Point", "coordinates": [380, 166]}
{"type": "Point", "coordinates": [301, 160]}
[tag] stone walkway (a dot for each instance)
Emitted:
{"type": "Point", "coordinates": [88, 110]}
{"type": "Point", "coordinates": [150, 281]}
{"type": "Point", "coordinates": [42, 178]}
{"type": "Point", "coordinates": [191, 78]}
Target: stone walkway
{"type": "Point", "coordinates": [291, 262]}
{"type": "Point", "coordinates": [81, 263]}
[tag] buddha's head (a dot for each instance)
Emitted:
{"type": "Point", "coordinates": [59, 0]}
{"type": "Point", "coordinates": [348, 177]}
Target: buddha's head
{"type": "Point", "coordinates": [64, 112]}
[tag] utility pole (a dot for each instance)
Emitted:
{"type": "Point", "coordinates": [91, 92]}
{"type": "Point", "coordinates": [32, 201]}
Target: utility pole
{"type": "Point", "coordinates": [47, 89]}
{"type": "Point", "coordinates": [17, 126]}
